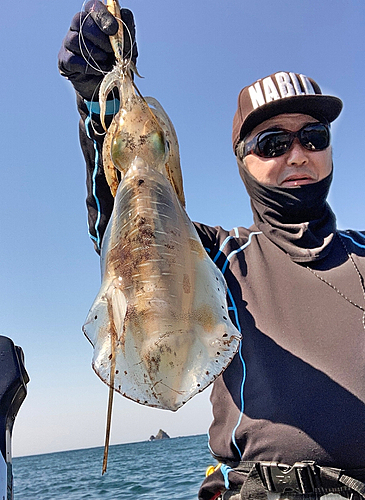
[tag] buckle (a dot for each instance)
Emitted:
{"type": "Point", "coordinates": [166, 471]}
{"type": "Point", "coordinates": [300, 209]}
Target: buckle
{"type": "Point", "coordinates": [278, 477]}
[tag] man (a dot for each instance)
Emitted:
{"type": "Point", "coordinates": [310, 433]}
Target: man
{"type": "Point", "coordinates": [295, 392]}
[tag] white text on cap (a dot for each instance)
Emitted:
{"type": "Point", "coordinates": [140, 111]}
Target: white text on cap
{"type": "Point", "coordinates": [287, 85]}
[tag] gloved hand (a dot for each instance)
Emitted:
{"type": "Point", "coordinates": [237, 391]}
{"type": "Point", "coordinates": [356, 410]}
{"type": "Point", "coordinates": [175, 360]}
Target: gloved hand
{"type": "Point", "coordinates": [86, 53]}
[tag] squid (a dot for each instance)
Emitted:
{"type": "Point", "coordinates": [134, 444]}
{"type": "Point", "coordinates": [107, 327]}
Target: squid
{"type": "Point", "coordinates": [159, 325]}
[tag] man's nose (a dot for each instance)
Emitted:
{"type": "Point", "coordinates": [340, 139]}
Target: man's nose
{"type": "Point", "coordinates": [297, 154]}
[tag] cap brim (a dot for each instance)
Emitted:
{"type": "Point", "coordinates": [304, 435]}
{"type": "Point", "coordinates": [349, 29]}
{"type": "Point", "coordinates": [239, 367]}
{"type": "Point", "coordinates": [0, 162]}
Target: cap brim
{"type": "Point", "coordinates": [316, 105]}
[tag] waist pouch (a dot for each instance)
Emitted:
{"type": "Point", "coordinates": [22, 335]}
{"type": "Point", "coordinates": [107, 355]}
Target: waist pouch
{"type": "Point", "coordinates": [303, 479]}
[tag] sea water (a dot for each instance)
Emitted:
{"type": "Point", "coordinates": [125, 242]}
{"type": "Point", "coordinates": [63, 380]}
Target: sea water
{"type": "Point", "coordinates": [168, 469]}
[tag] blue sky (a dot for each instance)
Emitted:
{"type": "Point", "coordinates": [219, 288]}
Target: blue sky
{"type": "Point", "coordinates": [195, 56]}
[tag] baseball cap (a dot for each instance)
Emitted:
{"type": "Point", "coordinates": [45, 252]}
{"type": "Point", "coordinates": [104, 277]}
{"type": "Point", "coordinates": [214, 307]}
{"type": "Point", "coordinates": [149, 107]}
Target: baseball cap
{"type": "Point", "coordinates": [280, 93]}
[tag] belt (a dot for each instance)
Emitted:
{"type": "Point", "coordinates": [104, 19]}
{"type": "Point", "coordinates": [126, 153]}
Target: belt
{"type": "Point", "coordinates": [303, 477]}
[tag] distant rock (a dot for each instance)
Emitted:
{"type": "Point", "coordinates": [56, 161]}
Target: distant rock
{"type": "Point", "coordinates": [160, 435]}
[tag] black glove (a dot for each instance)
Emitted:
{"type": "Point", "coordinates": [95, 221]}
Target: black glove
{"type": "Point", "coordinates": [84, 58]}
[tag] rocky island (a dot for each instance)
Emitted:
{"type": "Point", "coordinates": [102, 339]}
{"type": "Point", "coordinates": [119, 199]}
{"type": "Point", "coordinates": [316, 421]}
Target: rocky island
{"type": "Point", "coordinates": [160, 435]}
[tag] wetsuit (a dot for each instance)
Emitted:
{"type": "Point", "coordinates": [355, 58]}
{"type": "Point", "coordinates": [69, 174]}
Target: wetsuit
{"type": "Point", "coordinates": [295, 391]}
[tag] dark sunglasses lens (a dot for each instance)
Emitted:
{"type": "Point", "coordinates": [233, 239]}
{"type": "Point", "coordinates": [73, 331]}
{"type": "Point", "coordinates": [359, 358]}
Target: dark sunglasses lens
{"type": "Point", "coordinates": [271, 144]}
{"type": "Point", "coordinates": [315, 137]}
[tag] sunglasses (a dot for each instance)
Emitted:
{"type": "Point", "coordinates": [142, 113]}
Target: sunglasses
{"type": "Point", "coordinates": [275, 142]}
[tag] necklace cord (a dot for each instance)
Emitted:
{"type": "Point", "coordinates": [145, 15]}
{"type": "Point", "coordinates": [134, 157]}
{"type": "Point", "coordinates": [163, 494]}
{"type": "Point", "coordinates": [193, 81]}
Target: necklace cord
{"type": "Point", "coordinates": [361, 280]}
